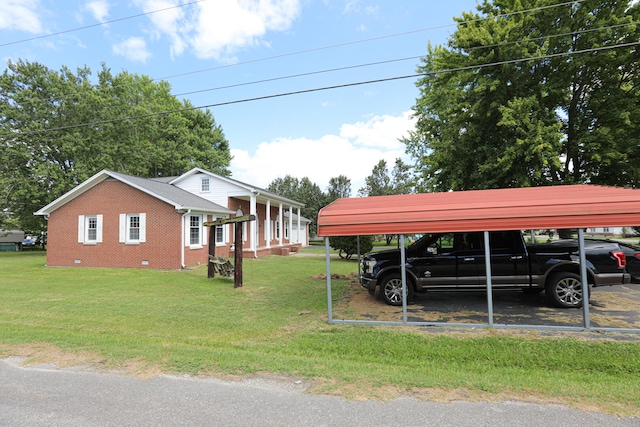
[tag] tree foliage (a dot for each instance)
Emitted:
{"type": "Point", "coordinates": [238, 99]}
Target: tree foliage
{"type": "Point", "coordinates": [381, 182]}
{"type": "Point", "coordinates": [531, 92]}
{"type": "Point", "coordinates": [58, 128]}
{"type": "Point", "coordinates": [339, 188]}
{"type": "Point", "coordinates": [303, 191]}
{"type": "Point", "coordinates": [347, 246]}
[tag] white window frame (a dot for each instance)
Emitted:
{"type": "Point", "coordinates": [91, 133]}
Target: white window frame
{"type": "Point", "coordinates": [220, 233]}
{"type": "Point", "coordinates": [205, 185]}
{"type": "Point", "coordinates": [190, 227]}
{"type": "Point", "coordinates": [83, 229]}
{"type": "Point", "coordinates": [125, 228]}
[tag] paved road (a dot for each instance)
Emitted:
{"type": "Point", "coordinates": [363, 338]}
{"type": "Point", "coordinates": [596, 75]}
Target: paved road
{"type": "Point", "coordinates": [47, 396]}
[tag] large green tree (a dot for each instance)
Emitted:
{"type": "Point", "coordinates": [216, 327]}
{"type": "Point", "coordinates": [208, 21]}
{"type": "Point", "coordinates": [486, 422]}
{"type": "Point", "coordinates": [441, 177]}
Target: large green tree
{"type": "Point", "coordinates": [339, 187]}
{"type": "Point", "coordinates": [531, 92]}
{"type": "Point", "coordinates": [381, 182]}
{"type": "Point", "coordinates": [58, 128]}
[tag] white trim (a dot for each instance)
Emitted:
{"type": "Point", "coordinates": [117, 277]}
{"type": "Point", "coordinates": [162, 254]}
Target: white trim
{"type": "Point", "coordinates": [99, 228]}
{"type": "Point", "coordinates": [124, 228]}
{"type": "Point", "coordinates": [143, 227]}
{"type": "Point", "coordinates": [83, 229]}
{"type": "Point", "coordinates": [80, 228]}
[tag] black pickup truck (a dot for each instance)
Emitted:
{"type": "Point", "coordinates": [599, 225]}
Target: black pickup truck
{"type": "Point", "coordinates": [456, 261]}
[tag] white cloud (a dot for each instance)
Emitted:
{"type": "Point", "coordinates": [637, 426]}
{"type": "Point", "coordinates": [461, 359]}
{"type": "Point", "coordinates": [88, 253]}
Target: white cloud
{"type": "Point", "coordinates": [381, 132]}
{"type": "Point", "coordinates": [224, 27]}
{"type": "Point", "coordinates": [353, 153]}
{"type": "Point", "coordinates": [171, 21]}
{"type": "Point", "coordinates": [99, 9]}
{"type": "Point", "coordinates": [133, 48]}
{"type": "Point", "coordinates": [218, 29]}
{"type": "Point", "coordinates": [20, 15]}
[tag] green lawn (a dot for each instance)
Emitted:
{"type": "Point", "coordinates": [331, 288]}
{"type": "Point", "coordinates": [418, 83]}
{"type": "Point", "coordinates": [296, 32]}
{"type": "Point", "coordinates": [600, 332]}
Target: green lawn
{"type": "Point", "coordinates": [148, 321]}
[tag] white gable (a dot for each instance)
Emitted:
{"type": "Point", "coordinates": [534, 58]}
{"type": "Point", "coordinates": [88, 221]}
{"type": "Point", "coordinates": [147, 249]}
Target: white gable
{"type": "Point", "coordinates": [218, 192]}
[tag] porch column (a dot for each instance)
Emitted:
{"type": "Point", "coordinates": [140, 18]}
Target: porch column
{"type": "Point", "coordinates": [299, 240]}
{"type": "Point", "coordinates": [268, 224]}
{"type": "Point", "coordinates": [253, 243]}
{"type": "Point", "coordinates": [280, 224]}
{"type": "Point", "coordinates": [290, 223]}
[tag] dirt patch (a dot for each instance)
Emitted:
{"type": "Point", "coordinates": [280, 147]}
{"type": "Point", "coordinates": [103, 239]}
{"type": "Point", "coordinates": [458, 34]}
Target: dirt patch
{"type": "Point", "coordinates": [45, 354]}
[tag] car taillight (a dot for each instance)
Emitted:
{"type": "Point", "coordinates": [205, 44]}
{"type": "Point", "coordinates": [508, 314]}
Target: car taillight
{"type": "Point", "coordinates": [621, 258]}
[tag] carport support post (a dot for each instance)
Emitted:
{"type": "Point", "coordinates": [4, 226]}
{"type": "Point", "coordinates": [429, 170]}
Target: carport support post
{"type": "Point", "coordinates": [403, 275]}
{"type": "Point", "coordinates": [487, 264]}
{"type": "Point", "coordinates": [329, 305]}
{"type": "Point", "coordinates": [584, 280]}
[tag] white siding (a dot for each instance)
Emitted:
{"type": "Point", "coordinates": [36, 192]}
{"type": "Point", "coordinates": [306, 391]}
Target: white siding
{"type": "Point", "coordinates": [218, 190]}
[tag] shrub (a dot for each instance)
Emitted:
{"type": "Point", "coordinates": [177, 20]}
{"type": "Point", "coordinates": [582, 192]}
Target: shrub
{"type": "Point", "coordinates": [348, 245]}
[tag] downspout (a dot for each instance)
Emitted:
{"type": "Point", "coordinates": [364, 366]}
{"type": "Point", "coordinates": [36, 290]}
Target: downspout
{"type": "Point", "coordinates": [184, 216]}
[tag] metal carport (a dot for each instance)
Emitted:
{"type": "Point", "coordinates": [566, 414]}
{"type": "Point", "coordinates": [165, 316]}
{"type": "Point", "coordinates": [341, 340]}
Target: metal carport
{"type": "Point", "coordinates": [565, 206]}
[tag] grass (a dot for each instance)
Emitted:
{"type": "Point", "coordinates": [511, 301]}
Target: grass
{"type": "Point", "coordinates": [150, 321]}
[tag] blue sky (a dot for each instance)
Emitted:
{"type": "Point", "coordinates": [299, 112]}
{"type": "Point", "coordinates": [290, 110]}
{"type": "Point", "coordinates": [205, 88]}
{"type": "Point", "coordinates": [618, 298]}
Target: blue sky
{"type": "Point", "coordinates": [218, 51]}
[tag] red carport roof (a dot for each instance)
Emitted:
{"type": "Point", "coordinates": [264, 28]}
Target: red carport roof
{"type": "Point", "coordinates": [564, 206]}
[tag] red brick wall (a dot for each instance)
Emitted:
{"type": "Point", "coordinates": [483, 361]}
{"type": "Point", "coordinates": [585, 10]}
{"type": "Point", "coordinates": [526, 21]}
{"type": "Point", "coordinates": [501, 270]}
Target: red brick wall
{"type": "Point", "coordinates": [111, 198]}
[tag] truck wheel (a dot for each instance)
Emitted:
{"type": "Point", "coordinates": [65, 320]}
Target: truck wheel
{"type": "Point", "coordinates": [564, 290]}
{"type": "Point", "coordinates": [391, 289]}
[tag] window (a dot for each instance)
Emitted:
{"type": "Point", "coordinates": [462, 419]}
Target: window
{"type": "Point", "coordinates": [89, 229]}
{"type": "Point", "coordinates": [194, 230]}
{"type": "Point", "coordinates": [133, 228]}
{"type": "Point", "coordinates": [219, 233]}
{"type": "Point", "coordinates": [92, 229]}
{"type": "Point", "coordinates": [204, 187]}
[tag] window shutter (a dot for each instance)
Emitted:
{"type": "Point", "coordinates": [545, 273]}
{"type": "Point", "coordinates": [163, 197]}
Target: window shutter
{"type": "Point", "coordinates": [80, 228]}
{"type": "Point", "coordinates": [98, 228]}
{"type": "Point", "coordinates": [123, 228]}
{"type": "Point", "coordinates": [143, 227]}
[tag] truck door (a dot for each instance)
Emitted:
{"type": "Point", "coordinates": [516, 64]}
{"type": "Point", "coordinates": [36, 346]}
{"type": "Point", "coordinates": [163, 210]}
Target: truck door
{"type": "Point", "coordinates": [435, 263]}
{"type": "Point", "coordinates": [509, 263]}
{"type": "Point", "coordinates": [469, 251]}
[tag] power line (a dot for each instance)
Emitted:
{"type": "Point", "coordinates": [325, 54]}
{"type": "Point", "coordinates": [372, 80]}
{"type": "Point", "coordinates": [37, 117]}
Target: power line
{"type": "Point", "coordinates": [99, 24]}
{"type": "Point", "coordinates": [386, 36]}
{"type": "Point", "coordinates": [359, 65]}
{"type": "Point", "coordinates": [310, 73]}
{"type": "Point", "coordinates": [288, 54]}
{"type": "Point", "coordinates": [279, 95]}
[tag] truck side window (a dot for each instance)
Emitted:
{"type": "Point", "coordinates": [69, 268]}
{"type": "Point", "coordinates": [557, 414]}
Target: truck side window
{"type": "Point", "coordinates": [472, 242]}
{"type": "Point", "coordinates": [504, 241]}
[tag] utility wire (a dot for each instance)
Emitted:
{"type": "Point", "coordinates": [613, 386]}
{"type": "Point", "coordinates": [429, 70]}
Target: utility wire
{"type": "Point", "coordinates": [470, 49]}
{"type": "Point", "coordinates": [310, 73]}
{"type": "Point", "coordinates": [451, 70]}
{"type": "Point", "coordinates": [288, 54]}
{"type": "Point", "coordinates": [99, 24]}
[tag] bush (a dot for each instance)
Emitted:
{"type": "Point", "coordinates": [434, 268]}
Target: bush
{"type": "Point", "coordinates": [348, 245]}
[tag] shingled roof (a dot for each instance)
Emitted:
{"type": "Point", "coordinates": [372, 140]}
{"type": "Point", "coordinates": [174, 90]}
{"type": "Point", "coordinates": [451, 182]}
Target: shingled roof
{"type": "Point", "coordinates": [179, 198]}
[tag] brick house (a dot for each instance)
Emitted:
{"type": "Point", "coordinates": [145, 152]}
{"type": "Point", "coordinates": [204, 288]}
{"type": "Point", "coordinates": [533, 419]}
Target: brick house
{"type": "Point", "coordinates": [118, 220]}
